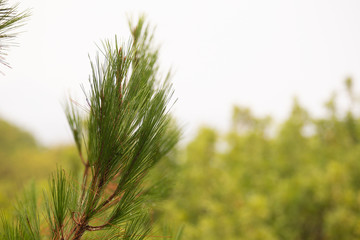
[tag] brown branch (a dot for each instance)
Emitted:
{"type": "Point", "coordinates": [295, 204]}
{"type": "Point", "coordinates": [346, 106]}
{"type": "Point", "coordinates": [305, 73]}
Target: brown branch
{"type": "Point", "coordinates": [80, 227]}
{"type": "Point", "coordinates": [97, 228]}
{"type": "Point", "coordinates": [122, 182]}
{"type": "Point", "coordinates": [62, 232]}
{"type": "Point", "coordinates": [82, 159]}
{"type": "Point", "coordinates": [107, 201]}
{"type": "Point", "coordinates": [79, 231]}
{"type": "Point", "coordinates": [73, 218]}
{"type": "Point", "coordinates": [84, 183]}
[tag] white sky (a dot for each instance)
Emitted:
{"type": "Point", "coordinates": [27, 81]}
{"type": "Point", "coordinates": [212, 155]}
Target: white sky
{"type": "Point", "coordinates": [258, 54]}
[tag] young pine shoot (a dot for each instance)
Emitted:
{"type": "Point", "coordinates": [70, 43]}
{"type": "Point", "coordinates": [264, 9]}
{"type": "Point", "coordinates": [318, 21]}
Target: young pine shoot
{"type": "Point", "coordinates": [126, 130]}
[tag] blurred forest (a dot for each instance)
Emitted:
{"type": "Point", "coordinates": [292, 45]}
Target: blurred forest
{"type": "Point", "coordinates": [301, 181]}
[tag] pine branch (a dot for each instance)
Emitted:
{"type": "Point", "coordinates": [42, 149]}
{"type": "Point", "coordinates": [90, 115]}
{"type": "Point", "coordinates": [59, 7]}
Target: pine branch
{"type": "Point", "coordinates": [128, 130]}
{"type": "Point", "coordinates": [10, 20]}
{"type": "Point", "coordinates": [124, 133]}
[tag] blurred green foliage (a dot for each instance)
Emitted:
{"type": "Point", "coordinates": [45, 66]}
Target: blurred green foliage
{"type": "Point", "coordinates": [23, 160]}
{"type": "Point", "coordinates": [300, 181]}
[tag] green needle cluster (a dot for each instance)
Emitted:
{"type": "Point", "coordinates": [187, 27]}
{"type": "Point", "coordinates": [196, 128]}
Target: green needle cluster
{"type": "Point", "coordinates": [125, 131]}
{"type": "Point", "coordinates": [10, 20]}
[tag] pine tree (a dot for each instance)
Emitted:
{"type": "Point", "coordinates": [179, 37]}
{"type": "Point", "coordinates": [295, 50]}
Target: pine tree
{"type": "Point", "coordinates": [125, 131]}
{"type": "Point", "coordinates": [10, 20]}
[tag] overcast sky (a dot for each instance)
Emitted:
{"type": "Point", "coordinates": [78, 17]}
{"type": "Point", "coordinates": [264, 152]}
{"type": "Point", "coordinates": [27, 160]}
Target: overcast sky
{"type": "Point", "coordinates": [258, 54]}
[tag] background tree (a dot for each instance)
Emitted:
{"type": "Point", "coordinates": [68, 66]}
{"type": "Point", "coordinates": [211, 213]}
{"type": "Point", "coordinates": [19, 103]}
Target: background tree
{"type": "Point", "coordinates": [298, 181]}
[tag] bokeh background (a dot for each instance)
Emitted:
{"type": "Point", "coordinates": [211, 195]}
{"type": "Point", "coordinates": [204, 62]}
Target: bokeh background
{"type": "Point", "coordinates": [267, 96]}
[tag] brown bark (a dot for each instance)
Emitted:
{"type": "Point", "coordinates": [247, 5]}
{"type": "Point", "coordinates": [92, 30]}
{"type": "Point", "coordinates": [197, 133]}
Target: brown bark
{"type": "Point", "coordinates": [79, 231]}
